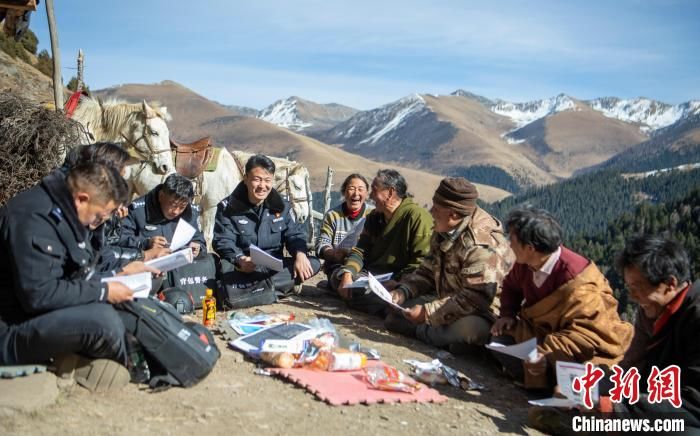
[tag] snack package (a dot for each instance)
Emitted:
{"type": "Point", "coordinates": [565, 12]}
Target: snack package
{"type": "Point", "coordinates": [436, 372]}
{"type": "Point", "coordinates": [388, 378]}
{"type": "Point", "coordinates": [278, 359]}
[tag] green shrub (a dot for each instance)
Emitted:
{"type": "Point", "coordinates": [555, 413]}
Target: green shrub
{"type": "Point", "coordinates": [29, 41]}
{"type": "Point", "coordinates": [45, 63]}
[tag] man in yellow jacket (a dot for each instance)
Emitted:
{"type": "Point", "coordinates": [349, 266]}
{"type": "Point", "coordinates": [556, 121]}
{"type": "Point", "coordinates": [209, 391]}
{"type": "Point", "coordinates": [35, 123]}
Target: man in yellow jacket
{"type": "Point", "coordinates": [558, 297]}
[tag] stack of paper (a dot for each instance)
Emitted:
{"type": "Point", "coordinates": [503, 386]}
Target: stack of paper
{"type": "Point", "coordinates": [262, 258]}
{"type": "Point", "coordinates": [381, 291]}
{"type": "Point", "coordinates": [524, 350]}
{"type": "Point", "coordinates": [184, 233]}
{"type": "Point", "coordinates": [140, 283]}
{"type": "Point", "coordinates": [350, 240]}
{"type": "Point", "coordinates": [362, 282]}
{"type": "Point", "coordinates": [172, 260]}
{"type": "Point", "coordinates": [566, 373]}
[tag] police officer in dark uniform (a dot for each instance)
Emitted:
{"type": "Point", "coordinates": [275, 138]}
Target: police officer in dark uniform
{"type": "Point", "coordinates": [256, 214]}
{"type": "Point", "coordinates": [51, 302]}
{"type": "Point", "coordinates": [153, 218]}
{"type": "Point", "coordinates": [104, 239]}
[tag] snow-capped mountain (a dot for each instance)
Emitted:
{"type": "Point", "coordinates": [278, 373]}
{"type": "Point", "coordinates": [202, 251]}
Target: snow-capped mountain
{"type": "Point", "coordinates": [525, 113]}
{"type": "Point", "coordinates": [284, 114]}
{"type": "Point", "coordinates": [653, 115]}
{"type": "Point", "coordinates": [381, 122]}
{"type": "Point", "coordinates": [305, 116]}
{"type": "Point", "coordinates": [480, 98]}
{"type": "Point", "coordinates": [380, 125]}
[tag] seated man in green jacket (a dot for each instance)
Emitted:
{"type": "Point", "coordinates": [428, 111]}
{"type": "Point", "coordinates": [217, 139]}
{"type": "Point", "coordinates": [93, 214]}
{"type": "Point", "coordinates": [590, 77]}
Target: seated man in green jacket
{"type": "Point", "coordinates": [394, 240]}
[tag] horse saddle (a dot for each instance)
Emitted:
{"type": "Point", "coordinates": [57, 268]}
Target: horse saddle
{"type": "Point", "coordinates": [191, 159]}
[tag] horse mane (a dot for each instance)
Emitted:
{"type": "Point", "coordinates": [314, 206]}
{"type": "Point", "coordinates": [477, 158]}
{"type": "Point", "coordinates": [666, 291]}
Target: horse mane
{"type": "Point", "coordinates": [106, 120]}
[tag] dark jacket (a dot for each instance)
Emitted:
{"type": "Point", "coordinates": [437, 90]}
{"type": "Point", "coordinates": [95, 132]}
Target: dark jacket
{"type": "Point", "coordinates": [239, 225]}
{"type": "Point", "coordinates": [146, 220]}
{"type": "Point", "coordinates": [104, 240]}
{"type": "Point", "coordinates": [676, 343]}
{"type": "Point", "coordinates": [45, 255]}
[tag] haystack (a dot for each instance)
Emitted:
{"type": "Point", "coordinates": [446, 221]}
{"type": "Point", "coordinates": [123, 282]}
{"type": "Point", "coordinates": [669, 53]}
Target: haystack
{"type": "Point", "coordinates": [33, 140]}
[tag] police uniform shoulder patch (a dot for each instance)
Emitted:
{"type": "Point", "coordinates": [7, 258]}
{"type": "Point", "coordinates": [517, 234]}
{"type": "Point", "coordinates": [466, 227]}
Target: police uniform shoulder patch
{"type": "Point", "coordinates": [138, 204]}
{"type": "Point", "coordinates": [57, 214]}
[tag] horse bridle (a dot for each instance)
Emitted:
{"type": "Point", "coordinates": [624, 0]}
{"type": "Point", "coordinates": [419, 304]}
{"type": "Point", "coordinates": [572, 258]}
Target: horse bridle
{"type": "Point", "coordinates": [291, 198]}
{"type": "Point", "coordinates": [149, 158]}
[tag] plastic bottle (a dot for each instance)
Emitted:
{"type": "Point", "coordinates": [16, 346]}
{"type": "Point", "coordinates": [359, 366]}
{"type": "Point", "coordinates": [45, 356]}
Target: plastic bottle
{"type": "Point", "coordinates": [209, 309]}
{"type": "Point", "coordinates": [138, 366]}
{"type": "Point", "coordinates": [347, 361]}
{"type": "Point", "coordinates": [339, 361]}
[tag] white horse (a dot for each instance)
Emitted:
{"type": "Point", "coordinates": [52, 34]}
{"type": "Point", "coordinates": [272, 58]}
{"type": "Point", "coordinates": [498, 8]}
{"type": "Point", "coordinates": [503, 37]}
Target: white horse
{"type": "Point", "coordinates": [142, 129]}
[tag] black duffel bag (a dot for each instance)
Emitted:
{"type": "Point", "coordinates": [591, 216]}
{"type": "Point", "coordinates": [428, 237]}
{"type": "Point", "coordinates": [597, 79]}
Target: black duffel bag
{"type": "Point", "coordinates": [235, 296]}
{"type": "Point", "coordinates": [194, 278]}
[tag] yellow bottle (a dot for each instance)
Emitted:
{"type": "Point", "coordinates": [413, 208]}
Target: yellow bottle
{"type": "Point", "coordinates": [209, 309]}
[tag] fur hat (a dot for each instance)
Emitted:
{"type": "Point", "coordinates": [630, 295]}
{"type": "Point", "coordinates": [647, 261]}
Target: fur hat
{"type": "Point", "coordinates": [458, 194]}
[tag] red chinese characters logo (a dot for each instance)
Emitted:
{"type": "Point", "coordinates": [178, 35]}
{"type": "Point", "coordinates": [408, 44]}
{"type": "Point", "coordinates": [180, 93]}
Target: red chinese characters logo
{"type": "Point", "coordinates": [665, 385]}
{"type": "Point", "coordinates": [587, 382]}
{"type": "Point", "coordinates": [626, 385]}
{"type": "Point", "coordinates": [662, 385]}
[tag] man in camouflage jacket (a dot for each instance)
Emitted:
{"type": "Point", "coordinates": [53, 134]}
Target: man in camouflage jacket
{"type": "Point", "coordinates": [450, 297]}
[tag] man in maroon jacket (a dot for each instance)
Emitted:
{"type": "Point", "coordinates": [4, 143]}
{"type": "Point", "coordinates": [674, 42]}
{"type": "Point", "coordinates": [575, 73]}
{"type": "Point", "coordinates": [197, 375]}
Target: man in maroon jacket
{"type": "Point", "coordinates": [558, 297]}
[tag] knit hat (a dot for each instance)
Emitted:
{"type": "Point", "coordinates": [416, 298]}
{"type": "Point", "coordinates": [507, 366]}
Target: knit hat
{"type": "Point", "coordinates": [458, 194]}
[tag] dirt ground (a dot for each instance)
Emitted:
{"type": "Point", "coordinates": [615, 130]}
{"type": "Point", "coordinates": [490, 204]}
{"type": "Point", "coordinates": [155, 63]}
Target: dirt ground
{"type": "Point", "coordinates": [233, 400]}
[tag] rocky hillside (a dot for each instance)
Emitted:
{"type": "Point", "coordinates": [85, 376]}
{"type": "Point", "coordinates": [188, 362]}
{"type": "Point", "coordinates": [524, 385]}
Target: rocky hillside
{"type": "Point", "coordinates": [24, 79]}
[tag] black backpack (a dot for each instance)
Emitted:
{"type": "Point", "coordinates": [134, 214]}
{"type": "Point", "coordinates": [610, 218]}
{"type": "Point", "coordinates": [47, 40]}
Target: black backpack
{"type": "Point", "coordinates": [178, 353]}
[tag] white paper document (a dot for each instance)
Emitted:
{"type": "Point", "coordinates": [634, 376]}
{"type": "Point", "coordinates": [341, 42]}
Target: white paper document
{"type": "Point", "coordinates": [172, 260]}
{"type": "Point", "coordinates": [139, 283]}
{"type": "Point", "coordinates": [566, 373]}
{"type": "Point", "coordinates": [523, 350]}
{"type": "Point", "coordinates": [184, 233]}
{"type": "Point", "coordinates": [381, 291]}
{"type": "Point", "coordinates": [350, 240]}
{"type": "Point", "coordinates": [553, 402]}
{"type": "Point", "coordinates": [262, 258]}
{"type": "Point", "coordinates": [361, 282]}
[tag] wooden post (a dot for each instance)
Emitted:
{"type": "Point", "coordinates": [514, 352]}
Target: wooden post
{"type": "Point", "coordinates": [310, 222]}
{"type": "Point", "coordinates": [56, 55]}
{"type": "Point", "coordinates": [327, 190]}
{"type": "Point", "coordinates": [81, 59]}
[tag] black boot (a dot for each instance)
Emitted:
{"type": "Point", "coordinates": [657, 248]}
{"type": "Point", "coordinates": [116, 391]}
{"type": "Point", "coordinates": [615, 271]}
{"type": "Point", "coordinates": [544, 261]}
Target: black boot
{"type": "Point", "coordinates": [398, 324]}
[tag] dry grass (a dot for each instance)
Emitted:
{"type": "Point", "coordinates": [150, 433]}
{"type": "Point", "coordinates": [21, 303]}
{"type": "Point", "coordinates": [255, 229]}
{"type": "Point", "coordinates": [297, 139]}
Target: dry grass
{"type": "Point", "coordinates": [33, 141]}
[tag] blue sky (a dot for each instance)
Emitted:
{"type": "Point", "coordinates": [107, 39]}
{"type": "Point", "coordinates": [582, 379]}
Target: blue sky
{"type": "Point", "coordinates": [367, 53]}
